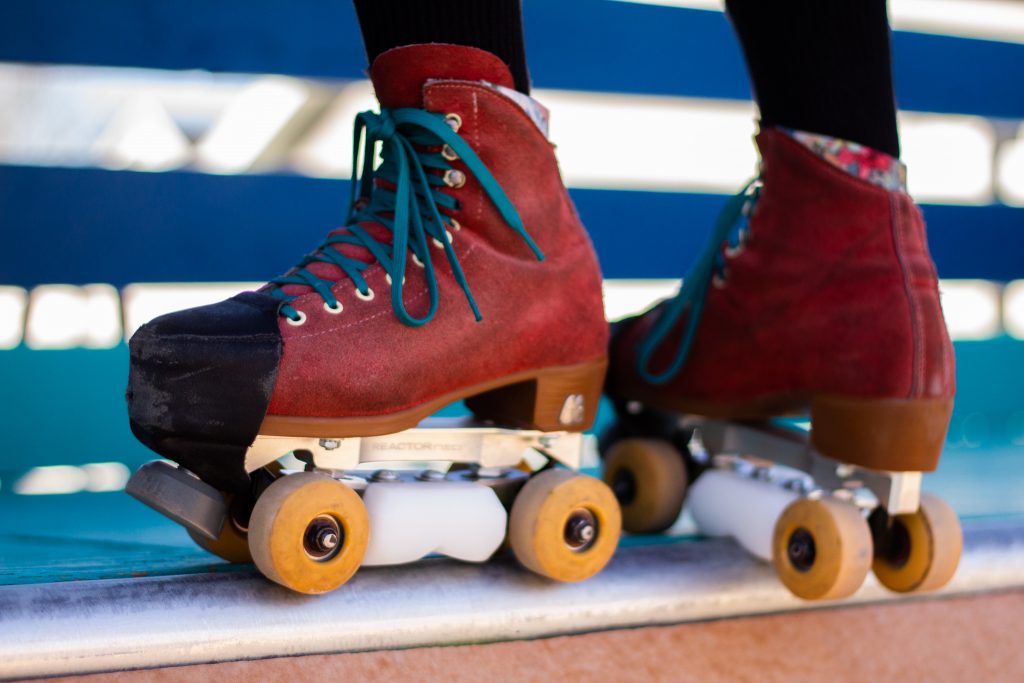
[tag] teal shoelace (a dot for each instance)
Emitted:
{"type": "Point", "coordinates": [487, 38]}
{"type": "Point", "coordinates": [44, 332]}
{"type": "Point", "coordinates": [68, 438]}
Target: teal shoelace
{"type": "Point", "coordinates": [410, 208]}
{"type": "Point", "coordinates": [730, 230]}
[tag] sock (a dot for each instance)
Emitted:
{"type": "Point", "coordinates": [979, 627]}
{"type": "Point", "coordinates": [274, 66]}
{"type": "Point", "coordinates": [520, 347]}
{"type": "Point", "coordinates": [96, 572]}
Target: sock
{"type": "Point", "coordinates": [492, 25]}
{"type": "Point", "coordinates": [821, 67]}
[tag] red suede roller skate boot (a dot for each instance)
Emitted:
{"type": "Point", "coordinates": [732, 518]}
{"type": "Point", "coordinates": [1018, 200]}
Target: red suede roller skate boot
{"type": "Point", "coordinates": [817, 296]}
{"type": "Point", "coordinates": [462, 273]}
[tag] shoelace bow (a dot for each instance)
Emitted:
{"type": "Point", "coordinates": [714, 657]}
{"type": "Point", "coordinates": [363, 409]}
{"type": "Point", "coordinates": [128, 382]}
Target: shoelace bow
{"type": "Point", "coordinates": [729, 232]}
{"type": "Point", "coordinates": [409, 208]}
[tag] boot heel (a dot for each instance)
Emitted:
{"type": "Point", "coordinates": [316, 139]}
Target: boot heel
{"type": "Point", "coordinates": [899, 435]}
{"type": "Point", "coordinates": [555, 399]}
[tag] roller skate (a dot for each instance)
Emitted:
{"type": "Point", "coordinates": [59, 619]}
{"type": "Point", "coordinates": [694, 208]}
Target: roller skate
{"type": "Point", "coordinates": [816, 297]}
{"type": "Point", "coordinates": [462, 273]}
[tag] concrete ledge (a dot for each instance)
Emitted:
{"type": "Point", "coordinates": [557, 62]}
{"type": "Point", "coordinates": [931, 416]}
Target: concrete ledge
{"type": "Point", "coordinates": [90, 626]}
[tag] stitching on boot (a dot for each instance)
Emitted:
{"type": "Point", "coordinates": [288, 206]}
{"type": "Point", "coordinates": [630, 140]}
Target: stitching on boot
{"type": "Point", "coordinates": [476, 146]}
{"type": "Point", "coordinates": [916, 324]}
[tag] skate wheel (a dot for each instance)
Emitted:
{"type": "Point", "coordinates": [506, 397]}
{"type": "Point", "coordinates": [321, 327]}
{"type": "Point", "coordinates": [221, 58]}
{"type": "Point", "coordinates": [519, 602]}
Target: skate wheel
{"type": "Point", "coordinates": [648, 477]}
{"type": "Point", "coordinates": [564, 525]}
{"type": "Point", "coordinates": [308, 532]}
{"type": "Point", "coordinates": [920, 551]}
{"type": "Point", "coordinates": [821, 548]}
{"type": "Point", "coordinates": [232, 544]}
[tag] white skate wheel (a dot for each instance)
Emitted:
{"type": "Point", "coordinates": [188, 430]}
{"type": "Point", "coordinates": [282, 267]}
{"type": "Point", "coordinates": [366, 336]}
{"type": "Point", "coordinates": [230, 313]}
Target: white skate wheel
{"type": "Point", "coordinates": [410, 520]}
{"type": "Point", "coordinates": [724, 503]}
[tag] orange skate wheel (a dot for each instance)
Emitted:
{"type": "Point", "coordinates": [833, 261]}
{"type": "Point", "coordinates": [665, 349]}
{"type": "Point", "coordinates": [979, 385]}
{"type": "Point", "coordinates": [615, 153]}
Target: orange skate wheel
{"type": "Point", "coordinates": [564, 525]}
{"type": "Point", "coordinates": [924, 548]}
{"type": "Point", "coordinates": [308, 532]}
{"type": "Point", "coordinates": [649, 479]}
{"type": "Point", "coordinates": [232, 544]}
{"type": "Point", "coordinates": [822, 548]}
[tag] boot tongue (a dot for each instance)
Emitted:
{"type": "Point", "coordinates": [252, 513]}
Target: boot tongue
{"type": "Point", "coordinates": [399, 74]}
{"type": "Point", "coordinates": [398, 77]}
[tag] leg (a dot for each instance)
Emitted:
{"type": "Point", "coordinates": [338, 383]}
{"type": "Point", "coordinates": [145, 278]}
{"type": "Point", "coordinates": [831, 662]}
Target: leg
{"type": "Point", "coordinates": [821, 67]}
{"type": "Point", "coordinates": [495, 26]}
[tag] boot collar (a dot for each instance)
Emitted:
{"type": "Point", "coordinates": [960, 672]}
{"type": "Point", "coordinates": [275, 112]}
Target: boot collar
{"type": "Point", "coordinates": [399, 74]}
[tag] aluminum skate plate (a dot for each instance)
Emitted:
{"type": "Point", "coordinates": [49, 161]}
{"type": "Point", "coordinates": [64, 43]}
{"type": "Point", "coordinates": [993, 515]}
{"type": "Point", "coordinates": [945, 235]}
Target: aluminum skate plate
{"type": "Point", "coordinates": [898, 492]}
{"type": "Point", "coordinates": [461, 440]}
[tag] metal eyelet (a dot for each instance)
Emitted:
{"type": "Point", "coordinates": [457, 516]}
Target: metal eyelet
{"type": "Point", "coordinates": [453, 177]}
{"type": "Point", "coordinates": [448, 153]}
{"type": "Point", "coordinates": [387, 276]}
{"type": "Point", "coordinates": [296, 321]}
{"type": "Point", "coordinates": [416, 260]}
{"type": "Point", "coordinates": [718, 281]}
{"type": "Point", "coordinates": [366, 297]}
{"type": "Point", "coordinates": [456, 226]}
{"type": "Point", "coordinates": [733, 252]}
{"type": "Point", "coordinates": [454, 121]}
{"type": "Point", "coordinates": [439, 244]}
{"type": "Point", "coordinates": [335, 309]}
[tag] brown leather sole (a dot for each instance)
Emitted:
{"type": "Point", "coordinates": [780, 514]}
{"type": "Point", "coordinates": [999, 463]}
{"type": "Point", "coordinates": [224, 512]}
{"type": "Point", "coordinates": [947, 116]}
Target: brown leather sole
{"type": "Point", "coordinates": [895, 434]}
{"type": "Point", "coordinates": [902, 435]}
{"type": "Point", "coordinates": [561, 398]}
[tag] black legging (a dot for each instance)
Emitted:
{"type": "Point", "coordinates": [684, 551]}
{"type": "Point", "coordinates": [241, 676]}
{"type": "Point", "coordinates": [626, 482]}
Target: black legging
{"type": "Point", "coordinates": [822, 66]}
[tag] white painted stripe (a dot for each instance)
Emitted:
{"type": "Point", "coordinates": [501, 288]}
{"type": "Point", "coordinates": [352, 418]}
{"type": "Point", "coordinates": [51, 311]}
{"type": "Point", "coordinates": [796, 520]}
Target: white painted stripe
{"type": "Point", "coordinates": [623, 298]}
{"type": "Point", "coordinates": [145, 301]}
{"type": "Point", "coordinates": [1010, 170]}
{"type": "Point", "coordinates": [999, 20]}
{"type": "Point", "coordinates": [1013, 309]}
{"type": "Point", "coordinates": [605, 140]}
{"type": "Point", "coordinates": [53, 479]}
{"type": "Point", "coordinates": [971, 308]}
{"type": "Point", "coordinates": [66, 316]}
{"type": "Point", "coordinates": [250, 123]}
{"type": "Point", "coordinates": [948, 157]}
{"type": "Point", "coordinates": [681, 144]}
{"type": "Point", "coordinates": [142, 136]}
{"type": "Point", "coordinates": [13, 302]}
{"type": "Point", "coordinates": [643, 142]}
{"type": "Point", "coordinates": [64, 479]}
{"type": "Point", "coordinates": [326, 149]}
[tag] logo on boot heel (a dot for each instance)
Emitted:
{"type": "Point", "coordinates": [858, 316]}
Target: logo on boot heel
{"type": "Point", "coordinates": [572, 410]}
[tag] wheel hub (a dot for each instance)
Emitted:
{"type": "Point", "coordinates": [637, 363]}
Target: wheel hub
{"type": "Point", "coordinates": [580, 530]}
{"type": "Point", "coordinates": [801, 550]}
{"type": "Point", "coordinates": [323, 538]}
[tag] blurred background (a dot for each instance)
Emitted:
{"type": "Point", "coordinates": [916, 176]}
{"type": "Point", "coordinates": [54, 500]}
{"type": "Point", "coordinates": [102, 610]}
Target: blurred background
{"type": "Point", "coordinates": [156, 155]}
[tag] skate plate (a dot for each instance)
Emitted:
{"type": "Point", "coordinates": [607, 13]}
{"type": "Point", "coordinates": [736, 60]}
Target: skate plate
{"type": "Point", "coordinates": [897, 492]}
{"type": "Point", "coordinates": [461, 440]}
{"type": "Point", "coordinates": [453, 489]}
{"type": "Point", "coordinates": [824, 524]}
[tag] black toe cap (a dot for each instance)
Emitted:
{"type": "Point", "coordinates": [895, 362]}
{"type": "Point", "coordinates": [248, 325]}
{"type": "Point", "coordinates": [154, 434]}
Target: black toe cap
{"type": "Point", "coordinates": [200, 382]}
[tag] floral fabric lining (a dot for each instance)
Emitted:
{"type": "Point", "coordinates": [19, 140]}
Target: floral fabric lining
{"type": "Point", "coordinates": [856, 159]}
